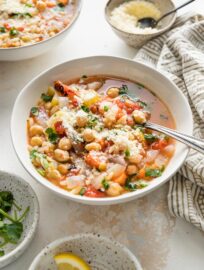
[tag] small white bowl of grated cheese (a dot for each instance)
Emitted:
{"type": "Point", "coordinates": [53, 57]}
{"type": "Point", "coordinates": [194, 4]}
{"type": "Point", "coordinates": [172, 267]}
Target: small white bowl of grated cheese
{"type": "Point", "coordinates": [123, 17]}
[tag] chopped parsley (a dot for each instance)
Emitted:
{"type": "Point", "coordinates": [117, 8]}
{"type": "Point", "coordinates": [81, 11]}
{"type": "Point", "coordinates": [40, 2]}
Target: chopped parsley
{"type": "Point", "coordinates": [127, 153]}
{"type": "Point", "coordinates": [129, 185]}
{"type": "Point", "coordinates": [123, 89]}
{"type": "Point", "coordinates": [106, 108]}
{"type": "Point", "coordinates": [150, 138]}
{"type": "Point", "coordinates": [85, 108]}
{"type": "Point", "coordinates": [13, 32]}
{"type": "Point", "coordinates": [34, 111]}
{"type": "Point", "coordinates": [46, 98]}
{"type": "Point", "coordinates": [105, 184]}
{"type": "Point", "coordinates": [153, 172]}
{"type": "Point", "coordinates": [92, 121]}
{"type": "Point", "coordinates": [82, 191]}
{"type": "Point", "coordinates": [2, 29]}
{"type": "Point", "coordinates": [52, 135]}
{"type": "Point", "coordinates": [2, 253]}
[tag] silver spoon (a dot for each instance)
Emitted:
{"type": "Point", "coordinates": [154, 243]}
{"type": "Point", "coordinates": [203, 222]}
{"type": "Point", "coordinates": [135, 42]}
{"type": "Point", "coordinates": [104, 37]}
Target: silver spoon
{"type": "Point", "coordinates": [151, 22]}
{"type": "Point", "coordinates": [190, 141]}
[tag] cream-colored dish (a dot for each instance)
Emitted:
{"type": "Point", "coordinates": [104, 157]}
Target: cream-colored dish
{"type": "Point", "coordinates": [111, 66]}
{"type": "Point", "coordinates": [98, 251]}
{"type": "Point", "coordinates": [133, 35]}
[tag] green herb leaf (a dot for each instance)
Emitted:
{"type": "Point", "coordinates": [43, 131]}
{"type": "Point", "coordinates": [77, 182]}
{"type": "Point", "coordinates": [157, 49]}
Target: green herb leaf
{"type": "Point", "coordinates": [52, 135]}
{"type": "Point", "coordinates": [13, 32]}
{"type": "Point", "coordinates": [46, 98]}
{"type": "Point", "coordinates": [150, 138]}
{"type": "Point", "coordinates": [123, 90]}
{"type": "Point", "coordinates": [105, 184]}
{"type": "Point", "coordinates": [2, 253]}
{"type": "Point", "coordinates": [152, 172]}
{"type": "Point", "coordinates": [12, 232]}
{"type": "Point", "coordinates": [34, 111]}
{"type": "Point", "coordinates": [2, 29]}
{"type": "Point", "coordinates": [6, 201]}
{"type": "Point", "coordinates": [129, 185]}
{"type": "Point", "coordinates": [127, 153]}
{"type": "Point", "coordinates": [106, 108]}
{"type": "Point", "coordinates": [82, 191]}
{"type": "Point", "coordinates": [85, 108]}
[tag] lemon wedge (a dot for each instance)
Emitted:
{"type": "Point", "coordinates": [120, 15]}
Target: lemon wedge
{"type": "Point", "coordinates": [69, 261]}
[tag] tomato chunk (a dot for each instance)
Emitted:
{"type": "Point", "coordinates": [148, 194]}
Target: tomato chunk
{"type": "Point", "coordinates": [59, 128]}
{"type": "Point", "coordinates": [93, 193]}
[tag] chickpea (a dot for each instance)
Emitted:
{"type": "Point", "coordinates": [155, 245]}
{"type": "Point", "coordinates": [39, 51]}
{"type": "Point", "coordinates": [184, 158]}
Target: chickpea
{"type": "Point", "coordinates": [36, 130]}
{"type": "Point", "coordinates": [114, 189]}
{"type": "Point", "coordinates": [47, 147]}
{"type": "Point", "coordinates": [61, 155]}
{"type": "Point", "coordinates": [81, 119]}
{"type": "Point", "coordinates": [54, 174]}
{"type": "Point", "coordinates": [93, 146]}
{"type": "Point", "coordinates": [122, 120]}
{"type": "Point", "coordinates": [40, 5]}
{"type": "Point", "coordinates": [135, 159]}
{"type": "Point", "coordinates": [113, 92]}
{"type": "Point", "coordinates": [63, 168]}
{"type": "Point", "coordinates": [76, 190]}
{"type": "Point", "coordinates": [132, 169]}
{"type": "Point", "coordinates": [139, 117]}
{"type": "Point", "coordinates": [65, 144]}
{"type": "Point", "coordinates": [36, 141]}
{"type": "Point", "coordinates": [88, 135]}
{"type": "Point", "coordinates": [54, 109]}
{"type": "Point", "coordinates": [30, 122]}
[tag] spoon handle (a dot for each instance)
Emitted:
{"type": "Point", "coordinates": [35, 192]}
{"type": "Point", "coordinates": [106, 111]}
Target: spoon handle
{"type": "Point", "coordinates": [174, 10]}
{"type": "Point", "coordinates": [192, 142]}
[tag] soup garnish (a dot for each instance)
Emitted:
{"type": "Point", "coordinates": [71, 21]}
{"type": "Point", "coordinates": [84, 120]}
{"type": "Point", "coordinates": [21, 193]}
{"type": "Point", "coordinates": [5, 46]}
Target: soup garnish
{"type": "Point", "coordinates": [86, 136]}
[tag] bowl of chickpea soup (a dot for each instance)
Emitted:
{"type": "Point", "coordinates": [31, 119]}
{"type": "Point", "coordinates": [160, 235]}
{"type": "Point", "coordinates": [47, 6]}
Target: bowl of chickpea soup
{"type": "Point", "coordinates": [77, 130]}
{"type": "Point", "coordinates": [29, 28]}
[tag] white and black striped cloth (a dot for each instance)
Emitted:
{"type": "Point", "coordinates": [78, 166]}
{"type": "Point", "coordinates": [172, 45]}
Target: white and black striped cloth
{"type": "Point", "coordinates": [179, 54]}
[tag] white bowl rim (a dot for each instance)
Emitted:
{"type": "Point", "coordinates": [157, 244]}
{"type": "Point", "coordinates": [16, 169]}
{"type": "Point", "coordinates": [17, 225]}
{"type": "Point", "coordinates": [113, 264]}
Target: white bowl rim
{"type": "Point", "coordinates": [26, 241]}
{"type": "Point", "coordinates": [160, 31]}
{"type": "Point", "coordinates": [73, 20]}
{"type": "Point", "coordinates": [95, 236]}
{"type": "Point", "coordinates": [108, 200]}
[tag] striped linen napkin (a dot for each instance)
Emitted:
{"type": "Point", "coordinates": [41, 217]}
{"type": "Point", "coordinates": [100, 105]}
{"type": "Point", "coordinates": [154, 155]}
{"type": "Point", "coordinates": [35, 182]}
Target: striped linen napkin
{"type": "Point", "coordinates": [179, 54]}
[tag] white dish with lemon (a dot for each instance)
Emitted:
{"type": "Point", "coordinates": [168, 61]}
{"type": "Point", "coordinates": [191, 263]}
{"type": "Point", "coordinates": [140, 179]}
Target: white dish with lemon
{"type": "Point", "coordinates": [85, 252]}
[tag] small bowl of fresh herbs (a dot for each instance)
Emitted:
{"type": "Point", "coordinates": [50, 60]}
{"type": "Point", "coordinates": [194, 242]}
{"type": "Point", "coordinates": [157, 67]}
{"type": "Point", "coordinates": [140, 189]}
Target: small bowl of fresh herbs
{"type": "Point", "coordinates": [19, 215]}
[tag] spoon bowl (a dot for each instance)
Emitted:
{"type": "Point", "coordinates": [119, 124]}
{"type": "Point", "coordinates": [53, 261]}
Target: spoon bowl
{"type": "Point", "coordinates": [152, 23]}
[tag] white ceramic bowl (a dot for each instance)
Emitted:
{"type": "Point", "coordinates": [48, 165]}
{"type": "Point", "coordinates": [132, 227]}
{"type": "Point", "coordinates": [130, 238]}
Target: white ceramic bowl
{"type": "Point", "coordinates": [24, 196]}
{"type": "Point", "coordinates": [33, 50]}
{"type": "Point", "coordinates": [98, 251]}
{"type": "Point", "coordinates": [135, 71]}
{"type": "Point", "coordinates": [137, 40]}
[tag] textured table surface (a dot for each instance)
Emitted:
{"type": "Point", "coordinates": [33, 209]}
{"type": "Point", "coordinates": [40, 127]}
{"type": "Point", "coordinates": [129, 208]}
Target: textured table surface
{"type": "Point", "coordinates": [160, 241]}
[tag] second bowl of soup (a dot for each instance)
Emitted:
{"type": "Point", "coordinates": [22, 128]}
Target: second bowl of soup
{"type": "Point", "coordinates": [82, 134]}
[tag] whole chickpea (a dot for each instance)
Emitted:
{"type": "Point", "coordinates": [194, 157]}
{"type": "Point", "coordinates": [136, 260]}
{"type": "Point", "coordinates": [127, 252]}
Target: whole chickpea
{"type": "Point", "coordinates": [81, 119]}
{"type": "Point", "coordinates": [114, 189]}
{"type": "Point", "coordinates": [36, 130]}
{"type": "Point", "coordinates": [93, 146]}
{"type": "Point", "coordinates": [54, 174]}
{"type": "Point", "coordinates": [47, 147]}
{"type": "Point", "coordinates": [65, 144]}
{"type": "Point", "coordinates": [63, 168]}
{"type": "Point", "coordinates": [135, 159]}
{"type": "Point", "coordinates": [89, 135]}
{"type": "Point", "coordinates": [139, 117]}
{"type": "Point", "coordinates": [61, 155]}
{"type": "Point", "coordinates": [132, 169]}
{"type": "Point", "coordinates": [36, 141]}
{"type": "Point", "coordinates": [113, 92]}
{"type": "Point", "coordinates": [40, 5]}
